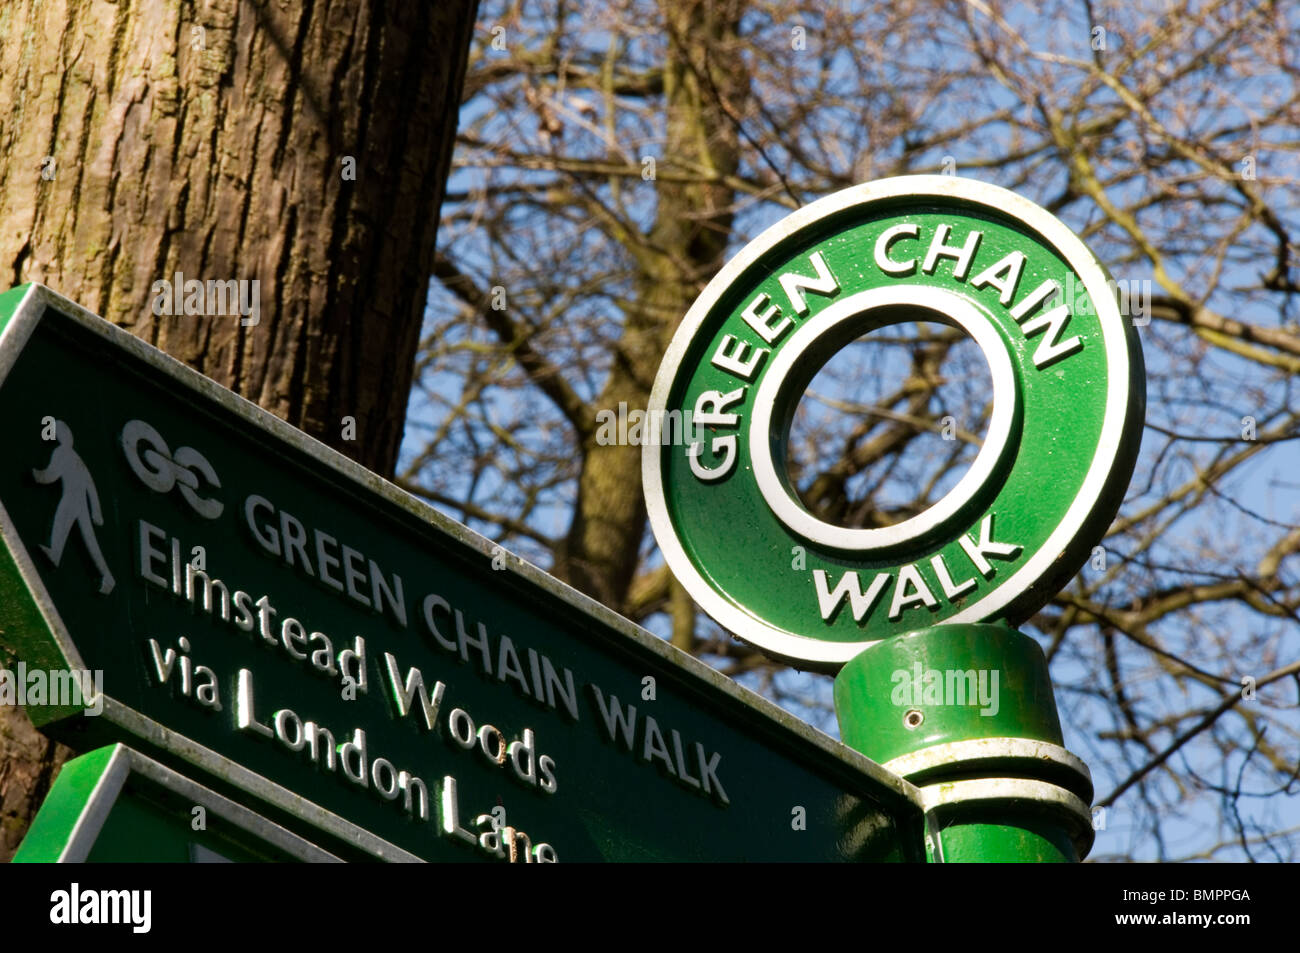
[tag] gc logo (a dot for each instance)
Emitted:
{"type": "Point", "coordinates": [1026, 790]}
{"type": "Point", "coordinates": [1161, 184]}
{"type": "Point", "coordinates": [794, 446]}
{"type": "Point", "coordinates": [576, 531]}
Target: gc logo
{"type": "Point", "coordinates": [160, 470]}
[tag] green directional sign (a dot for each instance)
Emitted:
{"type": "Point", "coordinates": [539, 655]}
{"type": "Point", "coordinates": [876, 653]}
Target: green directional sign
{"type": "Point", "coordinates": [186, 573]}
{"type": "Point", "coordinates": [1066, 420]}
{"type": "Point", "coordinates": [114, 805]}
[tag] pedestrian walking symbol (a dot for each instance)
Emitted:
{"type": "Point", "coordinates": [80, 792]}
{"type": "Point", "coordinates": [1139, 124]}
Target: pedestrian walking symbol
{"type": "Point", "coordinates": [79, 505]}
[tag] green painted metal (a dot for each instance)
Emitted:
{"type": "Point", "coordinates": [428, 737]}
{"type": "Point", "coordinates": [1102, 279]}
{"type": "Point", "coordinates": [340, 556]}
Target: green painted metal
{"type": "Point", "coordinates": [915, 665]}
{"type": "Point", "coordinates": [47, 839]}
{"type": "Point", "coordinates": [971, 719]}
{"type": "Point", "coordinates": [196, 485]}
{"type": "Point", "coordinates": [1067, 375]}
{"type": "Point", "coordinates": [963, 708]}
{"type": "Point", "coordinates": [113, 805]}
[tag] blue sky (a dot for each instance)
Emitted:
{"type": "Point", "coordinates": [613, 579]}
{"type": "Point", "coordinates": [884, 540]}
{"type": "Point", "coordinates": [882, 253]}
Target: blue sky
{"type": "Point", "coordinates": [1255, 500]}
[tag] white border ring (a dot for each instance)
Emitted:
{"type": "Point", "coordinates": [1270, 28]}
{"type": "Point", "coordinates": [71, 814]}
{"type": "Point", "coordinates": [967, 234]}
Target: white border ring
{"type": "Point", "coordinates": [958, 312]}
{"type": "Point", "coordinates": [1116, 446]}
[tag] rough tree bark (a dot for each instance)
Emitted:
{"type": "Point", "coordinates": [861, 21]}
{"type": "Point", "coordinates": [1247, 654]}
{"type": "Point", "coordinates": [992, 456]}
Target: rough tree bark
{"type": "Point", "coordinates": [219, 138]}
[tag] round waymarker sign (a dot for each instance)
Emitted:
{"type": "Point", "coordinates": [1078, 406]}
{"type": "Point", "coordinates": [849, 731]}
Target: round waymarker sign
{"type": "Point", "coordinates": [1068, 400]}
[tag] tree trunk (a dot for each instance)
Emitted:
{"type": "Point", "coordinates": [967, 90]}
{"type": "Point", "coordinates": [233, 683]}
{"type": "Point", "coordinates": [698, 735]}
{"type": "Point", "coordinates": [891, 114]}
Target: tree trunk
{"type": "Point", "coordinates": [705, 86]}
{"type": "Point", "coordinates": [302, 145]}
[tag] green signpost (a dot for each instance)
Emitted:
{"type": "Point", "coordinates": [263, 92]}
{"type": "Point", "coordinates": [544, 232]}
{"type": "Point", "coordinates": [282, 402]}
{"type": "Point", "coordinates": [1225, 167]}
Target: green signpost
{"type": "Point", "coordinates": [189, 575]}
{"type": "Point", "coordinates": [962, 708]}
{"type": "Point", "coordinates": [114, 805]}
{"type": "Point", "coordinates": [284, 631]}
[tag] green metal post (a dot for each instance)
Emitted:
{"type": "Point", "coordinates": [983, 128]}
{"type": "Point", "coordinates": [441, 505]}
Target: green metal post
{"type": "Point", "coordinates": [971, 720]}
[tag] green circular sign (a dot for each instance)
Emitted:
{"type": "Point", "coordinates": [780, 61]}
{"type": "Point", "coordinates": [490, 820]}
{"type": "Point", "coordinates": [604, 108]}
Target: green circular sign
{"type": "Point", "coordinates": [1067, 410]}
